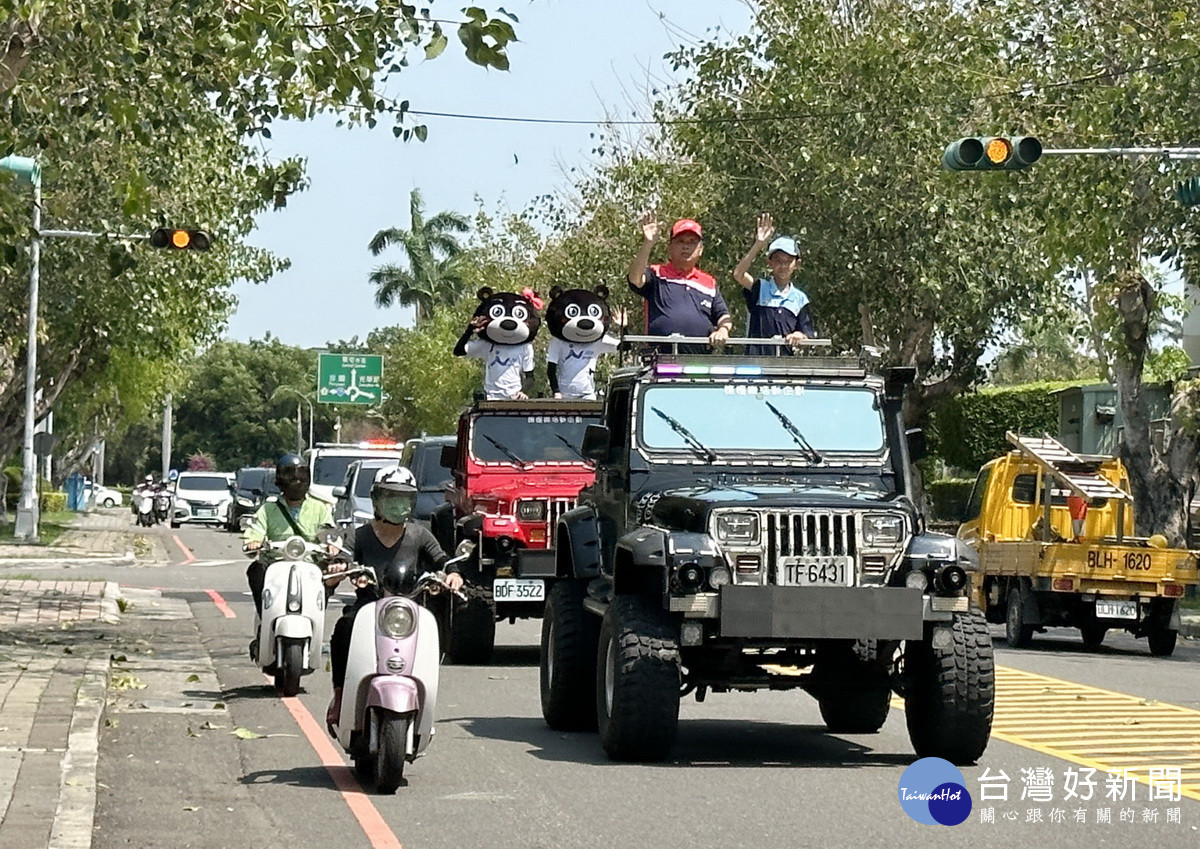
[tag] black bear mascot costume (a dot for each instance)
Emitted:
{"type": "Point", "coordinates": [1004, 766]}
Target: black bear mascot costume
{"type": "Point", "coordinates": [578, 321]}
{"type": "Point", "coordinates": [501, 334]}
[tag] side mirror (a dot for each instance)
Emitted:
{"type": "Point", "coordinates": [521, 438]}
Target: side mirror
{"type": "Point", "coordinates": [449, 456]}
{"type": "Point", "coordinates": [918, 445]}
{"type": "Point", "coordinates": [339, 492]}
{"type": "Point", "coordinates": [595, 443]}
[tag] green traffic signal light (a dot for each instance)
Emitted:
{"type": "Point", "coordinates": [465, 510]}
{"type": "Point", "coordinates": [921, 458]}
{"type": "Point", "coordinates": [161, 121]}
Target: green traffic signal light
{"type": "Point", "coordinates": [992, 153]}
{"type": "Point", "coordinates": [180, 240]}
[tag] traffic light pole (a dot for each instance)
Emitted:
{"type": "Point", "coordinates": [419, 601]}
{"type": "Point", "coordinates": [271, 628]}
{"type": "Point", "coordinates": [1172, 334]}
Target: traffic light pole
{"type": "Point", "coordinates": [1165, 152]}
{"type": "Point", "coordinates": [28, 509]}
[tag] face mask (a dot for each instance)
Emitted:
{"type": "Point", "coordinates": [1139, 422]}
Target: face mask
{"type": "Point", "coordinates": [395, 511]}
{"type": "Point", "coordinates": [293, 489]}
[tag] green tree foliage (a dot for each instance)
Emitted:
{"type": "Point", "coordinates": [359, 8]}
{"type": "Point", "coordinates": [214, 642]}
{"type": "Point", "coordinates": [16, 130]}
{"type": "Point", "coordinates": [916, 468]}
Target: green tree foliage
{"type": "Point", "coordinates": [433, 275]}
{"type": "Point", "coordinates": [230, 407]}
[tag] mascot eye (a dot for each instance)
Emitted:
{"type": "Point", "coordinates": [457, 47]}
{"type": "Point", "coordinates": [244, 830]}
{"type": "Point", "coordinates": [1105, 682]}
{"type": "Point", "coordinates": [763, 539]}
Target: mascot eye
{"type": "Point", "coordinates": [595, 311]}
{"type": "Point", "coordinates": [572, 311]}
{"type": "Point", "coordinates": [520, 313]}
{"type": "Point", "coordinates": [497, 311]}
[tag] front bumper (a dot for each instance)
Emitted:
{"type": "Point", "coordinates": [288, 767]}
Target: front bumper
{"type": "Point", "coordinates": [837, 613]}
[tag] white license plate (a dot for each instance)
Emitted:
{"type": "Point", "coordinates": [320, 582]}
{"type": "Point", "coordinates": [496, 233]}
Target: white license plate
{"type": "Point", "coordinates": [206, 514]}
{"type": "Point", "coordinates": [519, 589]}
{"type": "Point", "coordinates": [1116, 609]}
{"type": "Point", "coordinates": [815, 572]}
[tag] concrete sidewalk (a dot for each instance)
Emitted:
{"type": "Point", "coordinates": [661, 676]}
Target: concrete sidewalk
{"type": "Point", "coordinates": [54, 660]}
{"type": "Point", "coordinates": [101, 536]}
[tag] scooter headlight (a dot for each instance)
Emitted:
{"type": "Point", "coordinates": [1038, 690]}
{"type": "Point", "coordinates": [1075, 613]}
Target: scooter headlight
{"type": "Point", "coordinates": [397, 621]}
{"type": "Point", "coordinates": [294, 548]}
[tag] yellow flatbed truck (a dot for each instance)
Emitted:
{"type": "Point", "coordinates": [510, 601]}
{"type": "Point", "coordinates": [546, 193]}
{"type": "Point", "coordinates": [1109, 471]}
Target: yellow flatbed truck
{"type": "Point", "coordinates": [1049, 528]}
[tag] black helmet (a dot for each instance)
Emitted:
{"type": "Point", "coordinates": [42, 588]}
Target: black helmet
{"type": "Point", "coordinates": [288, 461]}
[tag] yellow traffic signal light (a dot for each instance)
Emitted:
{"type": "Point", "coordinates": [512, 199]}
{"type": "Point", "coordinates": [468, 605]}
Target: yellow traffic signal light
{"type": "Point", "coordinates": [181, 240]}
{"type": "Point", "coordinates": [992, 153]}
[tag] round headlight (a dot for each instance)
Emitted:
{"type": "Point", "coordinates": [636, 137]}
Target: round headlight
{"type": "Point", "coordinates": [952, 579]}
{"type": "Point", "coordinates": [718, 576]}
{"type": "Point", "coordinates": [294, 548]}
{"type": "Point", "coordinates": [397, 621]}
{"type": "Point", "coordinates": [916, 580]}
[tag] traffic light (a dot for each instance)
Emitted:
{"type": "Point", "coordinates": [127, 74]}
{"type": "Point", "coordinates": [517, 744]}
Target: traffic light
{"type": "Point", "coordinates": [992, 153]}
{"type": "Point", "coordinates": [1188, 191]}
{"type": "Point", "coordinates": [180, 240]}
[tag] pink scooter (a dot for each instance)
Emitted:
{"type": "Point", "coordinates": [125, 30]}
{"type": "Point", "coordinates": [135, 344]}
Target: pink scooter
{"type": "Point", "coordinates": [390, 696]}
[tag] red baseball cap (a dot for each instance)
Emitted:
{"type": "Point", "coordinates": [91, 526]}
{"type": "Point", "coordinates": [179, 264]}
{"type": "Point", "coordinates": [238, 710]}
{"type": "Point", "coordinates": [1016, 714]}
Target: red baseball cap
{"type": "Point", "coordinates": [686, 225]}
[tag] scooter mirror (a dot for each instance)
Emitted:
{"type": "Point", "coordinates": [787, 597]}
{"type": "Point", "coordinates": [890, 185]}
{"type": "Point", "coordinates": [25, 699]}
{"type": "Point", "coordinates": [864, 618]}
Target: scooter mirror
{"type": "Point", "coordinates": [465, 548]}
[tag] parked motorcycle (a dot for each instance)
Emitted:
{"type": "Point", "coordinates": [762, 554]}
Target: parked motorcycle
{"type": "Point", "coordinates": [390, 695]}
{"type": "Point", "coordinates": [289, 632]}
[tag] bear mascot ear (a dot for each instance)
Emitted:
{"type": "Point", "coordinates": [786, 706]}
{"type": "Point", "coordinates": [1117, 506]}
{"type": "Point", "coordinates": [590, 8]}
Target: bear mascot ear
{"type": "Point", "coordinates": [601, 292]}
{"type": "Point", "coordinates": [555, 291]}
{"type": "Point", "coordinates": [484, 293]}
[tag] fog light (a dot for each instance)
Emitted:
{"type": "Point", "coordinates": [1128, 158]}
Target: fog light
{"type": "Point", "coordinates": [689, 577]}
{"type": "Point", "coordinates": [916, 580]}
{"type": "Point", "coordinates": [951, 579]}
{"type": "Point", "coordinates": [691, 634]}
{"type": "Point", "coordinates": [718, 577]}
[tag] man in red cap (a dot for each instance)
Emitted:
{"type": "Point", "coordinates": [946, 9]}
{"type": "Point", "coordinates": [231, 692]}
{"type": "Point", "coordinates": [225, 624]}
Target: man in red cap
{"type": "Point", "coordinates": [681, 299]}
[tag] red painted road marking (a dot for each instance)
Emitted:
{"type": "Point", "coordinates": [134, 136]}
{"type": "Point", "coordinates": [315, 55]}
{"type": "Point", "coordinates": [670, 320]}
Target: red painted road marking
{"type": "Point", "coordinates": [221, 605]}
{"type": "Point", "coordinates": [378, 833]}
{"type": "Point", "coordinates": [187, 552]}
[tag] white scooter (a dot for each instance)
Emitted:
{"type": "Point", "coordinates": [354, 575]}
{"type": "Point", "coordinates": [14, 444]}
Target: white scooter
{"type": "Point", "coordinates": [289, 633]}
{"type": "Point", "coordinates": [390, 696]}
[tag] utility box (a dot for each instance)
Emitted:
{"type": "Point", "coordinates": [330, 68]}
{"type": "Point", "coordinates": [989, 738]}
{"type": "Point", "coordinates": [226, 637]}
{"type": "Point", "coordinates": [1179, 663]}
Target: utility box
{"type": "Point", "coordinates": [1090, 420]}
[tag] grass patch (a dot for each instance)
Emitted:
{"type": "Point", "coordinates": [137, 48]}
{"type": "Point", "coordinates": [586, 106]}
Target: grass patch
{"type": "Point", "coordinates": [50, 526]}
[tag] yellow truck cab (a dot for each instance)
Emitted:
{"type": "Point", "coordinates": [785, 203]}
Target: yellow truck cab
{"type": "Point", "coordinates": [1049, 528]}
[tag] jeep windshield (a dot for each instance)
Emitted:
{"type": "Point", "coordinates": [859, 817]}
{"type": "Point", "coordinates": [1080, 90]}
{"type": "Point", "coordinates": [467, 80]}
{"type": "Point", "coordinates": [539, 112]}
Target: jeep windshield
{"type": "Point", "coordinates": [738, 417]}
{"type": "Point", "coordinates": [529, 438]}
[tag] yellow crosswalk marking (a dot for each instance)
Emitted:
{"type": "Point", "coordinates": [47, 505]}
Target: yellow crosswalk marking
{"type": "Point", "coordinates": [1098, 728]}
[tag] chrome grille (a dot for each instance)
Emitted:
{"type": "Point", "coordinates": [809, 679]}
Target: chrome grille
{"type": "Point", "coordinates": [806, 534]}
{"type": "Point", "coordinates": [556, 507]}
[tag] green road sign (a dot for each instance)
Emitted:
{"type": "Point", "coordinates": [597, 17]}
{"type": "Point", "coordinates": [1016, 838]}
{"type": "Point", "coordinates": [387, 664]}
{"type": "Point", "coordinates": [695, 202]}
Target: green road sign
{"type": "Point", "coordinates": [349, 379]}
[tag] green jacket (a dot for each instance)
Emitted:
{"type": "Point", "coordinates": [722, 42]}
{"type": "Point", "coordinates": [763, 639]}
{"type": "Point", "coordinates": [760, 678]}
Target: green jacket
{"type": "Point", "coordinates": [269, 522]}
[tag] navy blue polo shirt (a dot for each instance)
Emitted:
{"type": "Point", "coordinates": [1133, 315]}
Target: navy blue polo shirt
{"type": "Point", "coordinates": [687, 303]}
{"type": "Point", "coordinates": [774, 313]}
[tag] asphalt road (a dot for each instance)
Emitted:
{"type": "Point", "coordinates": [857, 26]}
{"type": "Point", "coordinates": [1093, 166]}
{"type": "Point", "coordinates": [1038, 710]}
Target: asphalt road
{"type": "Point", "coordinates": [749, 769]}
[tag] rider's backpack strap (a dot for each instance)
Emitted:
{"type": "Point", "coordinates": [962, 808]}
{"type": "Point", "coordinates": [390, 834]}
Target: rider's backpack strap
{"type": "Point", "coordinates": [287, 514]}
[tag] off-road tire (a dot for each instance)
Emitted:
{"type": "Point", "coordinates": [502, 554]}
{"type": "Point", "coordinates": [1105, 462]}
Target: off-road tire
{"type": "Point", "coordinates": [1018, 634]}
{"type": "Point", "coordinates": [1162, 641]}
{"type": "Point", "coordinates": [567, 662]}
{"type": "Point", "coordinates": [852, 688]}
{"type": "Point", "coordinates": [639, 717]}
{"type": "Point", "coordinates": [951, 691]}
{"type": "Point", "coordinates": [472, 632]}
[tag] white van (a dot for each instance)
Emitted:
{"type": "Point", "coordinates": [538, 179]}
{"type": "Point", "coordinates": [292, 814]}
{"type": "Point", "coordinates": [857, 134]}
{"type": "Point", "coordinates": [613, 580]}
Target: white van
{"type": "Point", "coordinates": [328, 462]}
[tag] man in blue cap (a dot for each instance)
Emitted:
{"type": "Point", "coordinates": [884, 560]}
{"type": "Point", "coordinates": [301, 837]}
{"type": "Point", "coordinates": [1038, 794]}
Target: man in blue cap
{"type": "Point", "coordinates": [777, 308]}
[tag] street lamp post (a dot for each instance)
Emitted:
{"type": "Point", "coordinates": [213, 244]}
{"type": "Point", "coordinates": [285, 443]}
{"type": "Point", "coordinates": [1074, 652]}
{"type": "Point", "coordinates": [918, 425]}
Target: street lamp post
{"type": "Point", "coordinates": [26, 528]}
{"type": "Point", "coordinates": [305, 399]}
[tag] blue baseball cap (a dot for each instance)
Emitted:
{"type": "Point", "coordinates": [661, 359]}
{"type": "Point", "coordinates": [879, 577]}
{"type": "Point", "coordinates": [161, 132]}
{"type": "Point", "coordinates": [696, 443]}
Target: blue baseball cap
{"type": "Point", "coordinates": [786, 244]}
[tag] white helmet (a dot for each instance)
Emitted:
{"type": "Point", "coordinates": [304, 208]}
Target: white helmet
{"type": "Point", "coordinates": [393, 479]}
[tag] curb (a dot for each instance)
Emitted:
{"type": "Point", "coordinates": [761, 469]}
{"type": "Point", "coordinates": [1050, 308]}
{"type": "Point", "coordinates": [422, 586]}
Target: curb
{"type": "Point", "coordinates": [1189, 626]}
{"type": "Point", "coordinates": [110, 611]}
{"type": "Point", "coordinates": [76, 812]}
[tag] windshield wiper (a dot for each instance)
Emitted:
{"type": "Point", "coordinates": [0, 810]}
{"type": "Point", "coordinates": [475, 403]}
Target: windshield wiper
{"type": "Point", "coordinates": [574, 450]}
{"type": "Point", "coordinates": [504, 449]}
{"type": "Point", "coordinates": [688, 436]}
{"type": "Point", "coordinates": [795, 433]}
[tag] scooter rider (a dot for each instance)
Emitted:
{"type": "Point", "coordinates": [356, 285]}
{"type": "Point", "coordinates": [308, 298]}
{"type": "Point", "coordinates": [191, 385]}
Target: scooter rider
{"type": "Point", "coordinates": [293, 512]}
{"type": "Point", "coordinates": [389, 540]}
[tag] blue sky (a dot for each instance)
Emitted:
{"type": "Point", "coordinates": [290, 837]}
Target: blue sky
{"type": "Point", "coordinates": [576, 59]}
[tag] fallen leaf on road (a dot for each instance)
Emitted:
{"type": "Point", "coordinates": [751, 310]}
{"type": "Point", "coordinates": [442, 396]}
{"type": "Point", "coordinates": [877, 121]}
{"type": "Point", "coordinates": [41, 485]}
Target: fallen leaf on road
{"type": "Point", "coordinates": [125, 681]}
{"type": "Point", "coordinates": [191, 733]}
{"type": "Point", "coordinates": [246, 733]}
{"type": "Point", "coordinates": [191, 808]}
{"type": "Point", "coordinates": [497, 677]}
{"type": "Point", "coordinates": [192, 679]}
{"type": "Point", "coordinates": [76, 782]}
{"type": "Point", "coordinates": [111, 723]}
{"type": "Point", "coordinates": [118, 658]}
{"type": "Point", "coordinates": [218, 706]}
{"type": "Point", "coordinates": [68, 650]}
{"type": "Point", "coordinates": [208, 726]}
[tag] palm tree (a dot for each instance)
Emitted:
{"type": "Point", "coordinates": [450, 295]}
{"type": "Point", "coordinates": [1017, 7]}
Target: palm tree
{"type": "Point", "coordinates": [433, 275]}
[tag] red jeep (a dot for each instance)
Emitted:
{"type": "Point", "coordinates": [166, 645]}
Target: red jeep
{"type": "Point", "coordinates": [517, 467]}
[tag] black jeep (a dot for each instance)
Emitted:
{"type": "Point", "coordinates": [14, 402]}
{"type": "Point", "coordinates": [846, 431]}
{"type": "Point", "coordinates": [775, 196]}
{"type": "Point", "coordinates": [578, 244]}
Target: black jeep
{"type": "Point", "coordinates": [753, 525]}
